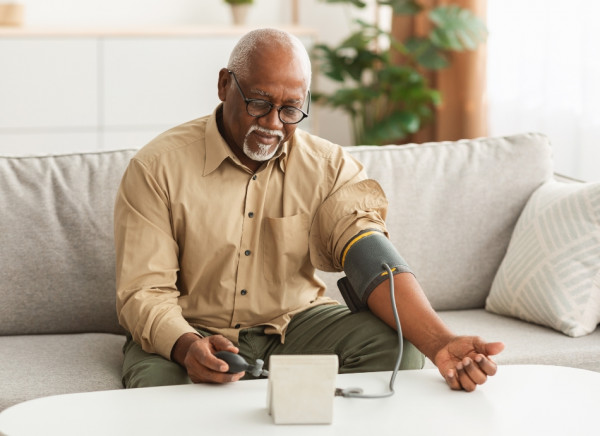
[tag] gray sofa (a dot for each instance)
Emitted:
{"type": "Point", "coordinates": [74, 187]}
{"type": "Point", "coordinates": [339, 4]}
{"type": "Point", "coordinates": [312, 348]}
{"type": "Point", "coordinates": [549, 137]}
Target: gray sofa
{"type": "Point", "coordinates": [453, 208]}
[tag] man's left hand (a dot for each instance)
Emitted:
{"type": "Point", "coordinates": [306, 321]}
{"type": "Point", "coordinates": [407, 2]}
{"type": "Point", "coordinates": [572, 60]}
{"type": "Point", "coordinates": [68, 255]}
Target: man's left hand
{"type": "Point", "coordinates": [464, 362]}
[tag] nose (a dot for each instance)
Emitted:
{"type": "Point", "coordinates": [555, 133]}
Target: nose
{"type": "Point", "coordinates": [271, 121]}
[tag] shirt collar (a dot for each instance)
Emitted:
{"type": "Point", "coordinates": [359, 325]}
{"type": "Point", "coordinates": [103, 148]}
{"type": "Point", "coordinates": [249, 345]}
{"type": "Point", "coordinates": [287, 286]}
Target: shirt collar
{"type": "Point", "coordinates": [217, 149]}
{"type": "Point", "coordinates": [282, 154]}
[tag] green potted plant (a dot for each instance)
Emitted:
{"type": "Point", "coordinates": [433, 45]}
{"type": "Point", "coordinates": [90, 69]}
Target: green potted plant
{"type": "Point", "coordinates": [239, 10]}
{"type": "Point", "coordinates": [387, 100]}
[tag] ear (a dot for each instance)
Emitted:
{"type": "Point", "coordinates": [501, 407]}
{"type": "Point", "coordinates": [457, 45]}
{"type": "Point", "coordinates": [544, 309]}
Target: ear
{"type": "Point", "coordinates": [223, 84]}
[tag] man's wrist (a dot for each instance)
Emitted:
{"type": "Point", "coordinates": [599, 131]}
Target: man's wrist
{"type": "Point", "coordinates": [182, 345]}
{"type": "Point", "coordinates": [438, 345]}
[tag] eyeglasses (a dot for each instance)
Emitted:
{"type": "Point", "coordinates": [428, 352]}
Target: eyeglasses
{"type": "Point", "coordinates": [259, 108]}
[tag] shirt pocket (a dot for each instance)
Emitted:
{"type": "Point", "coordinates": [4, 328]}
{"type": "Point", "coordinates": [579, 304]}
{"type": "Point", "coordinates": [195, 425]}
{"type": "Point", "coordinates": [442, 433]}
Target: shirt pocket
{"type": "Point", "coordinates": [285, 246]}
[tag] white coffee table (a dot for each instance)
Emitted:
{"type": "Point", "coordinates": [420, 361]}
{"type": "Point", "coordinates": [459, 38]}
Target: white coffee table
{"type": "Point", "coordinates": [519, 400]}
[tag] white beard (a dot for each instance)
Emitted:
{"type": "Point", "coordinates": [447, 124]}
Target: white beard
{"type": "Point", "coordinates": [263, 153]}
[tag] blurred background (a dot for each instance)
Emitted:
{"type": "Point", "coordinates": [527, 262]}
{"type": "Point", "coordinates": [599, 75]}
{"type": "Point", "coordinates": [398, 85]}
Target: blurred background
{"type": "Point", "coordinates": [79, 75]}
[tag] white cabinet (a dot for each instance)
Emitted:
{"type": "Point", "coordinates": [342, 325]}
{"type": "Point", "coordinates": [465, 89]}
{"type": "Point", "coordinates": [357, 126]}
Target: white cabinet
{"type": "Point", "coordinates": [48, 94]}
{"type": "Point", "coordinates": [160, 80]}
{"type": "Point", "coordinates": [71, 92]}
{"type": "Point", "coordinates": [48, 82]}
{"type": "Point", "coordinates": [152, 84]}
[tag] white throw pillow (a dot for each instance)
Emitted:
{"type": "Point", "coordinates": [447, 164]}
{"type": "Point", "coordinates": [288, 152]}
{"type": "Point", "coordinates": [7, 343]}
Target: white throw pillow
{"type": "Point", "coordinates": [550, 274]}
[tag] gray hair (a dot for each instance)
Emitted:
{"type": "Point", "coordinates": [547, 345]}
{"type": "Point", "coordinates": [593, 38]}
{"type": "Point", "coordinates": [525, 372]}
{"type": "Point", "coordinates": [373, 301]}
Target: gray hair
{"type": "Point", "coordinates": [242, 53]}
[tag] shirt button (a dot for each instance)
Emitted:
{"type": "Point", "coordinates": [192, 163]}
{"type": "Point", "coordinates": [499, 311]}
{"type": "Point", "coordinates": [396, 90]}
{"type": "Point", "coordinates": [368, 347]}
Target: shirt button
{"type": "Point", "coordinates": [254, 177]}
{"type": "Point", "coordinates": [244, 292]}
{"type": "Point", "coordinates": [237, 326]}
{"type": "Point", "coordinates": [247, 252]}
{"type": "Point", "coordinates": [251, 214]}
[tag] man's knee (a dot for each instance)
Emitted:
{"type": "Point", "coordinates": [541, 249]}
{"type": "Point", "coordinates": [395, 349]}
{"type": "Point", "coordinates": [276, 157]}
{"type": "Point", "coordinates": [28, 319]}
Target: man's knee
{"type": "Point", "coordinates": [141, 369]}
{"type": "Point", "coordinates": [412, 358]}
{"type": "Point", "coordinates": [377, 348]}
{"type": "Point", "coordinates": [153, 372]}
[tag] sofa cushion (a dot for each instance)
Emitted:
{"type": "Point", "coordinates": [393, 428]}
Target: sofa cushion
{"type": "Point", "coordinates": [453, 207]}
{"type": "Point", "coordinates": [551, 272]}
{"type": "Point", "coordinates": [35, 366]}
{"type": "Point", "coordinates": [57, 270]}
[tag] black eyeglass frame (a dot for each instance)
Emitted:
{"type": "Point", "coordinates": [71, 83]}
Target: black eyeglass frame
{"type": "Point", "coordinates": [271, 105]}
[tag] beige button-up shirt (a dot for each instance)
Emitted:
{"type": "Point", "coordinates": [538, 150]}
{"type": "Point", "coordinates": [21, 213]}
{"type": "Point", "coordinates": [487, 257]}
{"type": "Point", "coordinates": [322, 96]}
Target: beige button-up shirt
{"type": "Point", "coordinates": [201, 241]}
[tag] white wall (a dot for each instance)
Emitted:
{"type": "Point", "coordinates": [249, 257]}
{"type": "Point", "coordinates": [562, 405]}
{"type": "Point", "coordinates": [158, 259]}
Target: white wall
{"type": "Point", "coordinates": [85, 13]}
{"type": "Point", "coordinates": [332, 23]}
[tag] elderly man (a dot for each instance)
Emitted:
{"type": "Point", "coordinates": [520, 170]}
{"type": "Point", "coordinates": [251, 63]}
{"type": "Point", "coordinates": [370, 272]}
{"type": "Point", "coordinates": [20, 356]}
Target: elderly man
{"type": "Point", "coordinates": [221, 222]}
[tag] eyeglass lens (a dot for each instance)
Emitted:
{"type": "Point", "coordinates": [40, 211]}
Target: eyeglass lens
{"type": "Point", "coordinates": [260, 108]}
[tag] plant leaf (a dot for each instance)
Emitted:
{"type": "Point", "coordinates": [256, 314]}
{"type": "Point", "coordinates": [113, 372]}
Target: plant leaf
{"type": "Point", "coordinates": [456, 28]}
{"type": "Point", "coordinates": [393, 128]}
{"type": "Point", "coordinates": [426, 53]}
{"type": "Point", "coordinates": [357, 3]}
{"type": "Point", "coordinates": [402, 7]}
{"type": "Point", "coordinates": [348, 99]}
{"type": "Point", "coordinates": [351, 58]}
{"type": "Point", "coordinates": [330, 63]}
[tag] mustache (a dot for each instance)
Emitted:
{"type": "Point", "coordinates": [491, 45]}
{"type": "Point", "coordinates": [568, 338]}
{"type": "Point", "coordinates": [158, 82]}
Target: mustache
{"type": "Point", "coordinates": [277, 133]}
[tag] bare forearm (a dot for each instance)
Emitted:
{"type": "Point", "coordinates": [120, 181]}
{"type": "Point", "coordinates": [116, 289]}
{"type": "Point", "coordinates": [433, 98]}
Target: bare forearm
{"type": "Point", "coordinates": [420, 324]}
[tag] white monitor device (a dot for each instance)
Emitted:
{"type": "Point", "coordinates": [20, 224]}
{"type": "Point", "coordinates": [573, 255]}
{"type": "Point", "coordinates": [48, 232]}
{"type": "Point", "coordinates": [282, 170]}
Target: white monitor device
{"type": "Point", "coordinates": [301, 388]}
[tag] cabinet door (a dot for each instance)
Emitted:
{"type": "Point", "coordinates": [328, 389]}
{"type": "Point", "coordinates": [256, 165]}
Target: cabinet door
{"type": "Point", "coordinates": [48, 84]}
{"type": "Point", "coordinates": [160, 81]}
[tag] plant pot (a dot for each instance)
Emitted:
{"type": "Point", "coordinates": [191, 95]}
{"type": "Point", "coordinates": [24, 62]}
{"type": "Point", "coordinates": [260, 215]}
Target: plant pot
{"type": "Point", "coordinates": [239, 14]}
{"type": "Point", "coordinates": [11, 14]}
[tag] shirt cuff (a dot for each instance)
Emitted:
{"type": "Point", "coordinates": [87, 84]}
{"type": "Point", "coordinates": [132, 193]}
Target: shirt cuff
{"type": "Point", "coordinates": [170, 331]}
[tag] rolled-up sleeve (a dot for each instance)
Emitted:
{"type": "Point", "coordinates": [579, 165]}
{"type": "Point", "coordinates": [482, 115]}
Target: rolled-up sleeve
{"type": "Point", "coordinates": [349, 210]}
{"type": "Point", "coordinates": [147, 263]}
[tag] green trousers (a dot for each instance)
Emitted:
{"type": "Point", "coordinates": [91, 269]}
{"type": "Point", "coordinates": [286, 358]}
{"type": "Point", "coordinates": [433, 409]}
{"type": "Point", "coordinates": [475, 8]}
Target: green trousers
{"type": "Point", "coordinates": [362, 342]}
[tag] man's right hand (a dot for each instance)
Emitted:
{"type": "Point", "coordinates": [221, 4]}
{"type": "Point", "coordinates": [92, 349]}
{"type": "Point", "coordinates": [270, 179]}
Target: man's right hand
{"type": "Point", "coordinates": [197, 356]}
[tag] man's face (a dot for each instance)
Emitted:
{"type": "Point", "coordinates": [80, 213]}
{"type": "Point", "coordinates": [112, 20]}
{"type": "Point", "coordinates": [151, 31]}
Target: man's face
{"type": "Point", "coordinates": [272, 77]}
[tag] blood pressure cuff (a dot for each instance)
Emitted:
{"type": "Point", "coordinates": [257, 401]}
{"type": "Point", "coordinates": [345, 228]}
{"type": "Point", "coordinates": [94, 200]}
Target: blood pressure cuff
{"type": "Point", "coordinates": [363, 259]}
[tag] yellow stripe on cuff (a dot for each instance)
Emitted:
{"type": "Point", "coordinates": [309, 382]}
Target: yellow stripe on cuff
{"type": "Point", "coordinates": [385, 273]}
{"type": "Point", "coordinates": [354, 241]}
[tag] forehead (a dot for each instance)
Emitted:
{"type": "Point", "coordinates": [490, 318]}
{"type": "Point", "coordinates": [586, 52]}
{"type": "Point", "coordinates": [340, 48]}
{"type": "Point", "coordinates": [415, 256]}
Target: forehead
{"type": "Point", "coordinates": [273, 72]}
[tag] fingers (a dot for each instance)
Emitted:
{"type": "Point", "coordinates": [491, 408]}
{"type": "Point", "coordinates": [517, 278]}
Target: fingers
{"type": "Point", "coordinates": [493, 348]}
{"type": "Point", "coordinates": [205, 375]}
{"type": "Point", "coordinates": [221, 343]}
{"type": "Point", "coordinates": [486, 365]}
{"type": "Point", "coordinates": [465, 363]}
{"type": "Point", "coordinates": [470, 373]}
{"type": "Point", "coordinates": [487, 348]}
{"type": "Point", "coordinates": [203, 367]}
{"type": "Point", "coordinates": [452, 380]}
